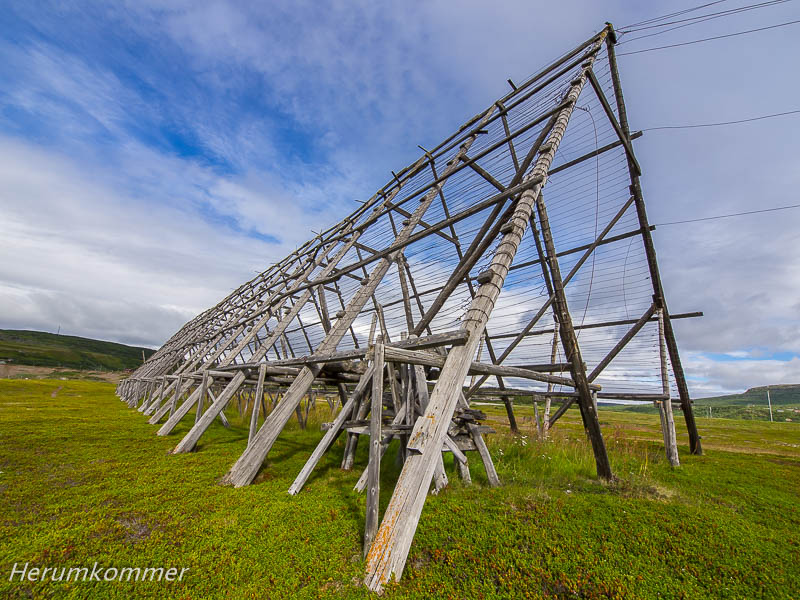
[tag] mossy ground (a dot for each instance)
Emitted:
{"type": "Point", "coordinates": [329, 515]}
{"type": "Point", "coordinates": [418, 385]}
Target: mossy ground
{"type": "Point", "coordinates": [85, 479]}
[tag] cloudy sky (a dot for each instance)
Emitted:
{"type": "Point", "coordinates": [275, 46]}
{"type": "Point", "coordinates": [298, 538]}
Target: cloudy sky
{"type": "Point", "coordinates": [155, 155]}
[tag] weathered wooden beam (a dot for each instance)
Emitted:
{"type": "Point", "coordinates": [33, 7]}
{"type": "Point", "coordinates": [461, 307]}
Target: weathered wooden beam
{"type": "Point", "coordinates": [387, 556]}
{"type": "Point", "coordinates": [374, 465]}
{"type": "Point", "coordinates": [245, 469]}
{"type": "Point", "coordinates": [413, 357]}
{"type": "Point", "coordinates": [655, 276]}
{"type": "Point", "coordinates": [556, 367]}
{"type": "Point", "coordinates": [454, 338]}
{"type": "Point", "coordinates": [331, 434]}
{"type": "Point", "coordinates": [483, 452]}
{"type": "Point", "coordinates": [622, 342]}
{"type": "Point", "coordinates": [257, 402]}
{"type": "Point", "coordinates": [665, 408]}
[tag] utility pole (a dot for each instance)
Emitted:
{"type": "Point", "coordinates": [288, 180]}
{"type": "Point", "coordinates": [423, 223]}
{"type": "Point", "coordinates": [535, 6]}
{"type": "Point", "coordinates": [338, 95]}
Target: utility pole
{"type": "Point", "coordinates": [769, 403]}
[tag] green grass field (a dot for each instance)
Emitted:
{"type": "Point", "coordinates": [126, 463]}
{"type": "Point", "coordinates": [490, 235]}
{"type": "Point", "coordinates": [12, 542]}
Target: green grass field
{"type": "Point", "coordinates": [83, 478]}
{"type": "Point", "coordinates": [49, 350]}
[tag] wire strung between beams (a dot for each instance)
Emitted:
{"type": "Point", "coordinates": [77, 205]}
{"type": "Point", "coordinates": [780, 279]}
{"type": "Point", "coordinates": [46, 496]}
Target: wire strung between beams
{"type": "Point", "coordinates": [716, 15]}
{"type": "Point", "coordinates": [781, 114]}
{"type": "Point", "coordinates": [698, 20]}
{"type": "Point", "coordinates": [675, 14]}
{"type": "Point", "coordinates": [749, 212]}
{"type": "Point", "coordinates": [717, 37]}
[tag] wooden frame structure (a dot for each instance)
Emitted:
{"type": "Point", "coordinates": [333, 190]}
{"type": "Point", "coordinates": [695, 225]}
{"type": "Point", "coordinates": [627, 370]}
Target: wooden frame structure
{"type": "Point", "coordinates": [460, 255]}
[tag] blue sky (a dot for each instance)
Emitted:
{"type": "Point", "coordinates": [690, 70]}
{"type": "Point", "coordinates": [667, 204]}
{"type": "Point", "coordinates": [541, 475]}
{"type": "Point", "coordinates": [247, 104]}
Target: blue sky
{"type": "Point", "coordinates": [154, 156]}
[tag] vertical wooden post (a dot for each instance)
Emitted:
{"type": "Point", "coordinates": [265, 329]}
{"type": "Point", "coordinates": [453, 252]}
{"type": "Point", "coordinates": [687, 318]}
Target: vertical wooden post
{"type": "Point", "coordinates": [388, 555]}
{"type": "Point", "coordinates": [483, 451]}
{"type": "Point", "coordinates": [257, 401]}
{"type": "Point", "coordinates": [665, 406]}
{"type": "Point", "coordinates": [571, 349]}
{"type": "Point", "coordinates": [650, 251]}
{"type": "Point", "coordinates": [463, 472]}
{"type": "Point", "coordinates": [374, 466]}
{"type": "Point", "coordinates": [177, 395]}
{"type": "Point", "coordinates": [548, 400]}
{"type": "Point", "coordinates": [203, 396]}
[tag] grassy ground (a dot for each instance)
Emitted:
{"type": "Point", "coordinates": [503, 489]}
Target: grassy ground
{"type": "Point", "coordinates": [85, 479]}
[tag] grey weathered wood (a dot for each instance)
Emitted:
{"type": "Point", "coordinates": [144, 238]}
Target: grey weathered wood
{"type": "Point", "coordinates": [650, 251]}
{"type": "Point", "coordinates": [483, 451]}
{"type": "Point", "coordinates": [463, 472]}
{"type": "Point", "coordinates": [374, 468]}
{"type": "Point", "coordinates": [203, 396]}
{"type": "Point", "coordinates": [394, 354]}
{"type": "Point", "coordinates": [257, 402]}
{"type": "Point", "coordinates": [332, 432]}
{"type": "Point", "coordinates": [665, 406]}
{"type": "Point", "coordinates": [245, 469]}
{"type": "Point", "coordinates": [388, 557]}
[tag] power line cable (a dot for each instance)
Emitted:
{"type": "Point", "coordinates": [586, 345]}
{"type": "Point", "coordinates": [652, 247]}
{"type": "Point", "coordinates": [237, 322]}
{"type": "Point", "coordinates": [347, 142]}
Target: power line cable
{"type": "Point", "coordinates": [781, 114]}
{"type": "Point", "coordinates": [722, 13]}
{"type": "Point", "coordinates": [718, 37]}
{"type": "Point", "coordinates": [750, 212]}
{"type": "Point", "coordinates": [675, 14]}
{"type": "Point", "coordinates": [697, 20]}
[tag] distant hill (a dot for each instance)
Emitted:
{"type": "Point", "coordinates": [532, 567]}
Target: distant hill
{"type": "Point", "coordinates": [50, 350]}
{"type": "Point", "coordinates": [751, 404]}
{"type": "Point", "coordinates": [779, 395]}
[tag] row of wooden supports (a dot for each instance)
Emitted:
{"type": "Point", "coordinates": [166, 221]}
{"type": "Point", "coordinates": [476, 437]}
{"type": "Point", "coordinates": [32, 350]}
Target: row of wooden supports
{"type": "Point", "coordinates": [229, 350]}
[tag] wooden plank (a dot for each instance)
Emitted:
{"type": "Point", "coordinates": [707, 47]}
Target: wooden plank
{"type": "Point", "coordinates": [203, 396]}
{"type": "Point", "coordinates": [665, 407]}
{"type": "Point", "coordinates": [245, 469]}
{"type": "Point", "coordinates": [622, 342]}
{"type": "Point", "coordinates": [402, 355]}
{"type": "Point", "coordinates": [655, 277]}
{"type": "Point", "coordinates": [454, 338]}
{"type": "Point", "coordinates": [388, 554]}
{"type": "Point", "coordinates": [374, 468]}
{"type": "Point", "coordinates": [483, 451]}
{"type": "Point", "coordinates": [257, 402]}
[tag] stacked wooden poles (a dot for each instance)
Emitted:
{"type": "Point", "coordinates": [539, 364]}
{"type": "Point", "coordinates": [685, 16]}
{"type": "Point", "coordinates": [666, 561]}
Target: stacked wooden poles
{"type": "Point", "coordinates": [388, 553]}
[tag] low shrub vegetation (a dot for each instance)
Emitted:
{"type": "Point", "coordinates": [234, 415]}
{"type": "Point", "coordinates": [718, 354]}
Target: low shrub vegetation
{"type": "Point", "coordinates": [84, 479]}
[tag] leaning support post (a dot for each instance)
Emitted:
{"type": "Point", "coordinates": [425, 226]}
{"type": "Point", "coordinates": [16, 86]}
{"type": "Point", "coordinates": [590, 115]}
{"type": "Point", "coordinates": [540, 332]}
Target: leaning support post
{"type": "Point", "coordinates": [374, 465]}
{"type": "Point", "coordinates": [203, 396]}
{"type": "Point", "coordinates": [650, 251]}
{"type": "Point", "coordinates": [665, 406]}
{"type": "Point", "coordinates": [257, 401]}
{"type": "Point", "coordinates": [572, 351]}
{"type": "Point", "coordinates": [334, 431]}
{"type": "Point", "coordinates": [245, 469]}
{"type": "Point", "coordinates": [388, 553]}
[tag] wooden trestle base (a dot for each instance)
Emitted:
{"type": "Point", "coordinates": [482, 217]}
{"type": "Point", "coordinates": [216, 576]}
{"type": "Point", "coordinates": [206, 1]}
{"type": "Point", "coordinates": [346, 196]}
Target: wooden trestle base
{"type": "Point", "coordinates": [417, 389]}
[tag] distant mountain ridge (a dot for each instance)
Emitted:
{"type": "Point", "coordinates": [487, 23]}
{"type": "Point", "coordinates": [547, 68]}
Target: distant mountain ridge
{"type": "Point", "coordinates": [39, 348]}
{"type": "Point", "coordinates": [779, 395]}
